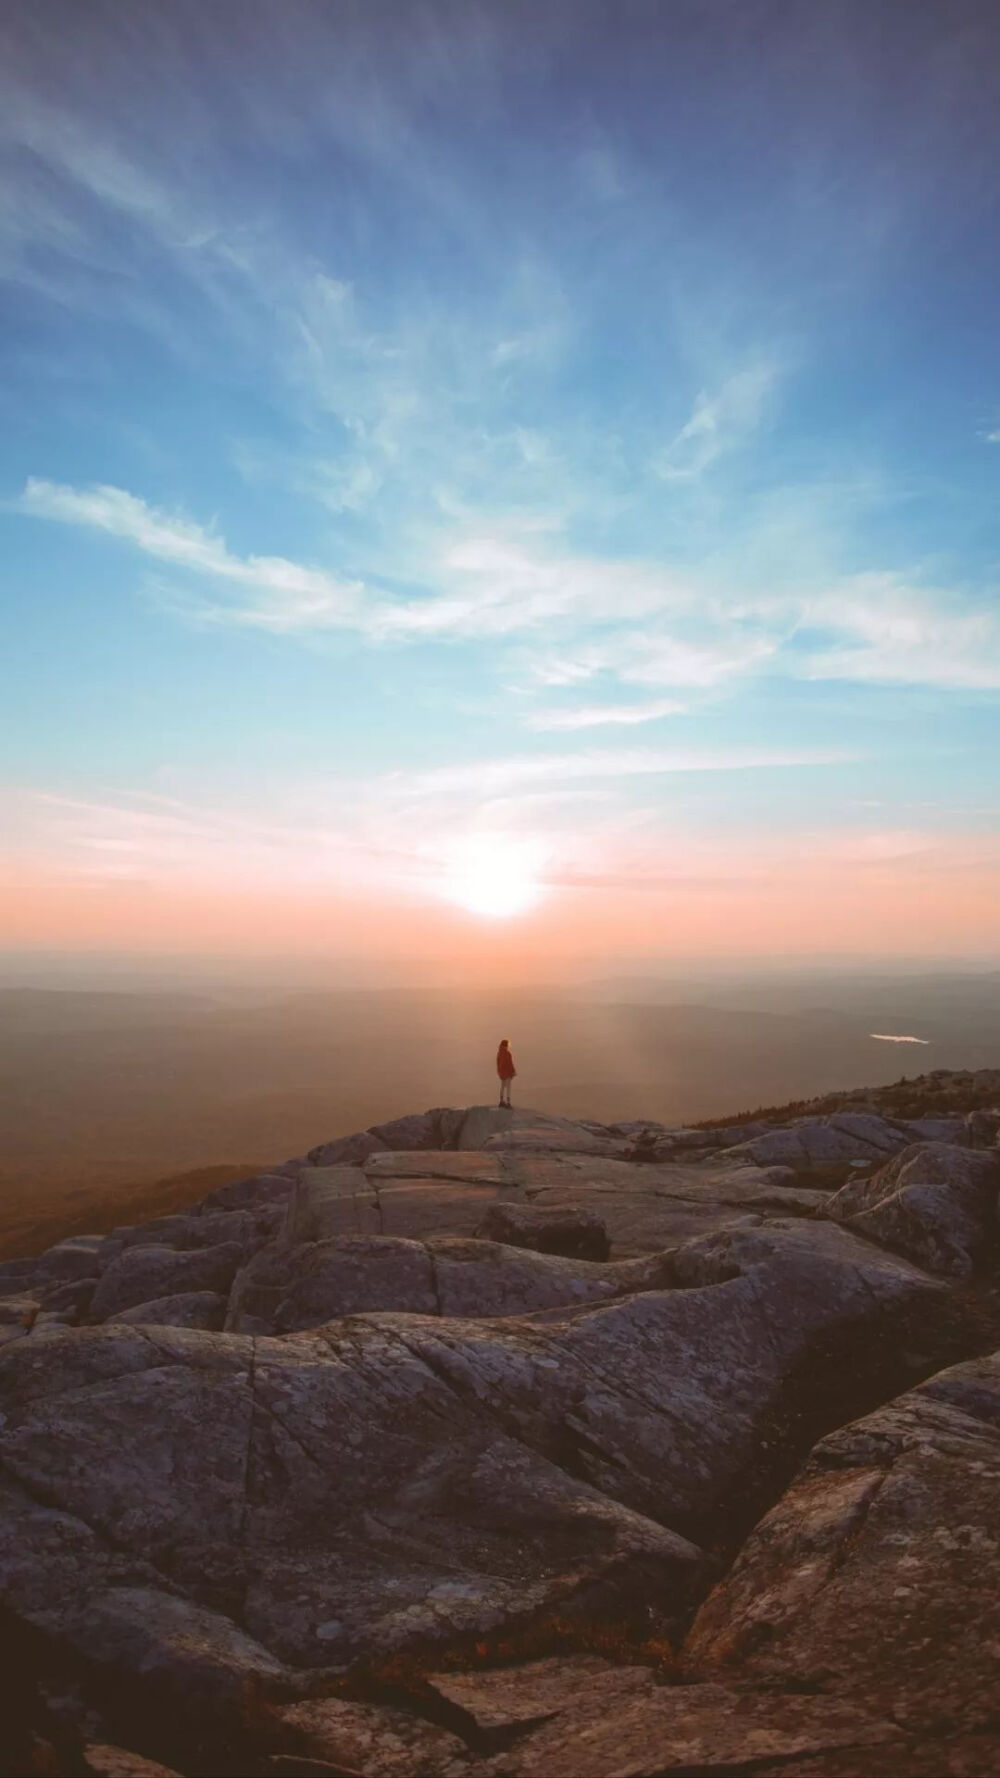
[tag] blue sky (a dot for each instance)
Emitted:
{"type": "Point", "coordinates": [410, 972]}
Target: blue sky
{"type": "Point", "coordinates": [573, 425]}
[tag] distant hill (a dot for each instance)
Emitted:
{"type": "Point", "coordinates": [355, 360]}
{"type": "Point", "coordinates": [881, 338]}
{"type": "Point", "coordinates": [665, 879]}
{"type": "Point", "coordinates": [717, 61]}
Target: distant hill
{"type": "Point", "coordinates": [944, 1091]}
{"type": "Point", "coordinates": [31, 1225]}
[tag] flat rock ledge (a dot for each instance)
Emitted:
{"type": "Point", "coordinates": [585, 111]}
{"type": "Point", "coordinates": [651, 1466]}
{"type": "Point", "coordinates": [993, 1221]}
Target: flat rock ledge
{"type": "Point", "coordinates": [490, 1443]}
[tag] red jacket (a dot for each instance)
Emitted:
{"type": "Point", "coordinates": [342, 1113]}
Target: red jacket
{"type": "Point", "coordinates": [505, 1063]}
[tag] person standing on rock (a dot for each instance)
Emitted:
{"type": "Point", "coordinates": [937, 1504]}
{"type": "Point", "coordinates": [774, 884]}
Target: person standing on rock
{"type": "Point", "coordinates": [506, 1071]}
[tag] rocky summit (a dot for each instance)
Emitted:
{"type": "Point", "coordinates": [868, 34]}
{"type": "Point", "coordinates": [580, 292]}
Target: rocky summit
{"type": "Point", "coordinates": [490, 1443]}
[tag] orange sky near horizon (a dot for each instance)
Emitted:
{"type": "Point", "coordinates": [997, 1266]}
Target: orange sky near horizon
{"type": "Point", "coordinates": [816, 907]}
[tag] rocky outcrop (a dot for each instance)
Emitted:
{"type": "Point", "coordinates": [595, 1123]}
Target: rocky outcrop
{"type": "Point", "coordinates": [845, 1138]}
{"type": "Point", "coordinates": [142, 1274]}
{"type": "Point", "coordinates": [191, 1308]}
{"type": "Point", "coordinates": [316, 1477]}
{"type": "Point", "coordinates": [643, 1209]}
{"type": "Point", "coordinates": [625, 1724]}
{"type": "Point", "coordinates": [287, 1289]}
{"type": "Point", "coordinates": [877, 1576]}
{"type": "Point", "coordinates": [933, 1203]}
{"type": "Point", "coordinates": [575, 1233]}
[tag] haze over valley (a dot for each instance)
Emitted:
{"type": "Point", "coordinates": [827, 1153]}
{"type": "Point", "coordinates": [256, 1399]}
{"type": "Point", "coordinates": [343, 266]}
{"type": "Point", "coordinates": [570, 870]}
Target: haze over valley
{"type": "Point", "coordinates": [106, 1091]}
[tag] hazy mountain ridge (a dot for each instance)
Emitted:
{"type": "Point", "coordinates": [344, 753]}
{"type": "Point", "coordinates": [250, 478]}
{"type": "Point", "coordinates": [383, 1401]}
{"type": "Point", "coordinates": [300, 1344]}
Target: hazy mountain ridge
{"type": "Point", "coordinates": [942, 1091]}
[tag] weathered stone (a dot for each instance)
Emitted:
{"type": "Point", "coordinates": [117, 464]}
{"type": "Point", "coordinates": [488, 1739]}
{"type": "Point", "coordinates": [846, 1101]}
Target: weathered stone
{"type": "Point", "coordinates": [331, 1201]}
{"type": "Point", "coordinates": [878, 1574]}
{"type": "Point", "coordinates": [402, 1133]}
{"type": "Point", "coordinates": [345, 1151]}
{"type": "Point", "coordinates": [16, 1275]}
{"type": "Point", "coordinates": [262, 1189]}
{"type": "Point", "coordinates": [408, 1132]}
{"type": "Point", "coordinates": [574, 1232]}
{"type": "Point", "coordinates": [300, 1765]}
{"type": "Point", "coordinates": [495, 1703]}
{"type": "Point", "coordinates": [207, 1228]}
{"type": "Point", "coordinates": [487, 1126]}
{"type": "Point", "coordinates": [480, 1278]}
{"type": "Point", "coordinates": [18, 1315]}
{"type": "Point", "coordinates": [75, 1295]}
{"type": "Point", "coordinates": [287, 1289]}
{"type": "Point", "coordinates": [982, 1128]}
{"type": "Point", "coordinates": [18, 1311]}
{"type": "Point", "coordinates": [934, 1203]}
{"type": "Point", "coordinates": [656, 1401]}
{"type": "Point", "coordinates": [624, 1725]}
{"type": "Point", "coordinates": [291, 1288]}
{"type": "Point", "coordinates": [818, 1143]}
{"type": "Point", "coordinates": [937, 1129]}
{"type": "Point", "coordinates": [345, 1500]}
{"type": "Point", "coordinates": [77, 1257]}
{"type": "Point", "coordinates": [412, 1441]}
{"type": "Point", "coordinates": [143, 1274]}
{"type": "Point", "coordinates": [374, 1741]}
{"type": "Point", "coordinates": [422, 1195]}
{"type": "Point", "coordinates": [105, 1761]}
{"type": "Point", "coordinates": [543, 1141]}
{"type": "Point", "coordinates": [195, 1659]}
{"type": "Point", "coordinates": [193, 1308]}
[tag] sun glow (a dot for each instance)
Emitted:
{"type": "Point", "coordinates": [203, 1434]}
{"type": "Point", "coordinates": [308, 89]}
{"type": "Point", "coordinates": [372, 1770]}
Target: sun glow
{"type": "Point", "coordinates": [494, 875]}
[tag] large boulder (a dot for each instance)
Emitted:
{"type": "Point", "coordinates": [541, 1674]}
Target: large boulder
{"type": "Point", "coordinates": [249, 1227]}
{"type": "Point", "coordinates": [79, 1256]}
{"type": "Point", "coordinates": [982, 1128]}
{"type": "Point", "coordinates": [414, 1458]}
{"type": "Point", "coordinates": [436, 1192]}
{"type": "Point", "coordinates": [192, 1308]}
{"type": "Point", "coordinates": [877, 1576]}
{"type": "Point", "coordinates": [489, 1126]}
{"type": "Point", "coordinates": [104, 1761]}
{"type": "Point", "coordinates": [817, 1144]}
{"type": "Point", "coordinates": [142, 1274]}
{"type": "Point", "coordinates": [17, 1275]}
{"type": "Point", "coordinates": [262, 1189]}
{"type": "Point", "coordinates": [620, 1722]}
{"type": "Point", "coordinates": [575, 1232]}
{"type": "Point", "coordinates": [403, 1133]}
{"type": "Point", "coordinates": [387, 1480]}
{"type": "Point", "coordinates": [349, 1739]}
{"type": "Point", "coordinates": [934, 1203]}
{"type": "Point", "coordinates": [332, 1491]}
{"type": "Point", "coordinates": [287, 1289]}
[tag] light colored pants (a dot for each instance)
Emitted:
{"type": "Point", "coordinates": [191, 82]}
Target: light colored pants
{"type": "Point", "coordinates": [505, 1092]}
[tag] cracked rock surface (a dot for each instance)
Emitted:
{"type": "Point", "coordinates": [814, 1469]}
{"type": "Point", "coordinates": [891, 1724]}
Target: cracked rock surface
{"type": "Point", "coordinates": [315, 1477]}
{"type": "Point", "coordinates": [935, 1203]}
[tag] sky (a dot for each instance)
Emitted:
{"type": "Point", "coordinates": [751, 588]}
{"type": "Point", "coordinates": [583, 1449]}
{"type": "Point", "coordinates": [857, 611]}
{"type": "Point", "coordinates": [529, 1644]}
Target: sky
{"type": "Point", "coordinates": [489, 484]}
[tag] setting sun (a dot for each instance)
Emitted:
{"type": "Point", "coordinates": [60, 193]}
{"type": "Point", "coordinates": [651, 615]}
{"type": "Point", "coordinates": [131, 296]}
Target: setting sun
{"type": "Point", "coordinates": [494, 875]}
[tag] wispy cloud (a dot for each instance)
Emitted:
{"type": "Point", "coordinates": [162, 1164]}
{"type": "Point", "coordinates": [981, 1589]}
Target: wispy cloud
{"type": "Point", "coordinates": [286, 595]}
{"type": "Point", "coordinates": [605, 715]}
{"type": "Point", "coordinates": [648, 624]}
{"type": "Point", "coordinates": [720, 420]}
{"type": "Point", "coordinates": [491, 777]}
{"type": "Point", "coordinates": [881, 631]}
{"type": "Point", "coordinates": [494, 586]}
